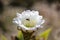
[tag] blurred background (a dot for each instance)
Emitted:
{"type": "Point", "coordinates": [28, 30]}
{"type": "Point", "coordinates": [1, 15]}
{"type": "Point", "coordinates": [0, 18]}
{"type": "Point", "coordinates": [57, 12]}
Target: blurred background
{"type": "Point", "coordinates": [49, 9]}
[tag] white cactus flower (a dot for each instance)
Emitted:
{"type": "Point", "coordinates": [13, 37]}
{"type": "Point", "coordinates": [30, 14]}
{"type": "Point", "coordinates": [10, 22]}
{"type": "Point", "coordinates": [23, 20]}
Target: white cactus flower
{"type": "Point", "coordinates": [29, 20]}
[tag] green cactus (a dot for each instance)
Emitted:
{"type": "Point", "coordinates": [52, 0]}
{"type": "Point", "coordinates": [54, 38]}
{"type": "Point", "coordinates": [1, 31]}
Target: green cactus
{"type": "Point", "coordinates": [44, 35]}
{"type": "Point", "coordinates": [20, 35]}
{"type": "Point", "coordinates": [25, 36]}
{"type": "Point", "coordinates": [3, 37]}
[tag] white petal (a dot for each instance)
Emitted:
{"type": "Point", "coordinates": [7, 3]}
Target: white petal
{"type": "Point", "coordinates": [40, 17]}
{"type": "Point", "coordinates": [23, 28]}
{"type": "Point", "coordinates": [36, 12]}
{"type": "Point", "coordinates": [28, 11]}
{"type": "Point", "coordinates": [39, 26]}
{"type": "Point", "coordinates": [42, 21]}
{"type": "Point", "coordinates": [18, 14]}
{"type": "Point", "coordinates": [17, 21]}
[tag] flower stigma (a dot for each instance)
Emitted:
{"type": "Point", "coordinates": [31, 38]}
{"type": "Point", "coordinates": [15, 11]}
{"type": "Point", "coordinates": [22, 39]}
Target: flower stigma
{"type": "Point", "coordinates": [29, 23]}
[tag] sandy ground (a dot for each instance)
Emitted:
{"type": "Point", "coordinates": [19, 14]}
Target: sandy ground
{"type": "Point", "coordinates": [50, 14]}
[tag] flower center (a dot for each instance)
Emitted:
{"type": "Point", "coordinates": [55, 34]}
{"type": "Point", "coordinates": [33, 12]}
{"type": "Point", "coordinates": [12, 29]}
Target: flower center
{"type": "Point", "coordinates": [29, 23]}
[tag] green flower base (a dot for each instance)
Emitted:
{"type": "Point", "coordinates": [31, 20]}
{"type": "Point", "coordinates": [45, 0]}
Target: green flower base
{"type": "Point", "coordinates": [28, 36]}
